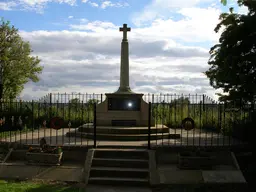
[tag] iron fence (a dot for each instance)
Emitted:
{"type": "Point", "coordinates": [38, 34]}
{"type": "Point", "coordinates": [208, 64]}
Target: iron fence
{"type": "Point", "coordinates": [213, 123]}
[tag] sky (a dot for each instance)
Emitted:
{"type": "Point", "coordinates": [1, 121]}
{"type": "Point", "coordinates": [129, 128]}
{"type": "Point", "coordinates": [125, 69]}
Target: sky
{"type": "Point", "coordinates": [79, 43]}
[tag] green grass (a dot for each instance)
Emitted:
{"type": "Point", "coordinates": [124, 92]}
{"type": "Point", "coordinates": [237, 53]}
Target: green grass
{"type": "Point", "coordinates": [35, 187]}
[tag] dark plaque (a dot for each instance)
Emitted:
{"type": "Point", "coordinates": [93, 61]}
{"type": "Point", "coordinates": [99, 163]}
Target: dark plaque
{"type": "Point", "coordinates": [123, 104]}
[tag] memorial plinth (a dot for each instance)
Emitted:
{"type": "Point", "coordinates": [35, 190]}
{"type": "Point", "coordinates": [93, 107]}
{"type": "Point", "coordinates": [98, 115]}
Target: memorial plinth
{"type": "Point", "coordinates": [123, 110]}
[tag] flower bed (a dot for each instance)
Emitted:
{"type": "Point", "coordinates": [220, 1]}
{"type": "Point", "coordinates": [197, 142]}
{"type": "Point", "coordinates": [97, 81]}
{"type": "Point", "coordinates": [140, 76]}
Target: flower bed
{"type": "Point", "coordinates": [44, 158]}
{"type": "Point", "coordinates": [45, 154]}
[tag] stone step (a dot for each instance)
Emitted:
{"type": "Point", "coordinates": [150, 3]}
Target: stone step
{"type": "Point", "coordinates": [121, 154]}
{"type": "Point", "coordinates": [118, 172]}
{"type": "Point", "coordinates": [123, 137]}
{"type": "Point", "coordinates": [124, 163]}
{"type": "Point", "coordinates": [123, 130]}
{"type": "Point", "coordinates": [118, 181]}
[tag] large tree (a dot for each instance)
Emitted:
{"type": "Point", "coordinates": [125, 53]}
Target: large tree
{"type": "Point", "coordinates": [17, 66]}
{"type": "Point", "coordinates": [233, 59]}
{"type": "Point", "coordinates": [224, 2]}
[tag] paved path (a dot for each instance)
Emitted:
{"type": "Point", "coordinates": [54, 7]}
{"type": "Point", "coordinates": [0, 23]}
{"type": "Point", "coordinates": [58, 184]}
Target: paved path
{"type": "Point", "coordinates": [58, 137]}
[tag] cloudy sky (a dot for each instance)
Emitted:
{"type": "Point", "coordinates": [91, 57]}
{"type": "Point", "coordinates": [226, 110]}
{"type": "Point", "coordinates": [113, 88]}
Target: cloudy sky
{"type": "Point", "coordinates": [79, 43]}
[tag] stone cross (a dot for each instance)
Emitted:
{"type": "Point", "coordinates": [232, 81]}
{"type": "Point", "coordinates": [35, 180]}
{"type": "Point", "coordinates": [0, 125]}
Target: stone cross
{"type": "Point", "coordinates": [125, 29]}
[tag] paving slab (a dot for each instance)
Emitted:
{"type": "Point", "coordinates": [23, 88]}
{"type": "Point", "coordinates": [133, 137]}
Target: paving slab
{"type": "Point", "coordinates": [70, 174]}
{"type": "Point", "coordinates": [223, 177]}
{"type": "Point", "coordinates": [171, 176]}
{"type": "Point", "coordinates": [97, 188]}
{"type": "Point", "coordinates": [17, 172]}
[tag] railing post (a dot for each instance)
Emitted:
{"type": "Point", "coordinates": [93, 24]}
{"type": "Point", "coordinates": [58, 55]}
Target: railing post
{"type": "Point", "coordinates": [33, 122]}
{"type": "Point", "coordinates": [1, 90]}
{"type": "Point", "coordinates": [94, 125]}
{"type": "Point", "coordinates": [149, 124]}
{"type": "Point", "coordinates": [50, 117]}
{"type": "Point", "coordinates": [203, 102]}
{"type": "Point", "coordinates": [220, 116]}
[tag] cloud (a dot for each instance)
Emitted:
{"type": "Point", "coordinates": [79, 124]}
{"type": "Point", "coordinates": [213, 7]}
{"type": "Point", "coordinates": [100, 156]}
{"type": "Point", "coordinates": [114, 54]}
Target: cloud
{"type": "Point", "coordinates": [242, 10]}
{"type": "Point", "coordinates": [32, 5]}
{"type": "Point", "coordinates": [194, 25]}
{"type": "Point", "coordinates": [70, 17]}
{"type": "Point", "coordinates": [93, 4]}
{"type": "Point", "coordinates": [106, 4]}
{"type": "Point", "coordinates": [163, 9]}
{"type": "Point", "coordinates": [89, 61]}
{"type": "Point", "coordinates": [7, 5]}
{"type": "Point", "coordinates": [168, 55]}
{"type": "Point", "coordinates": [52, 42]}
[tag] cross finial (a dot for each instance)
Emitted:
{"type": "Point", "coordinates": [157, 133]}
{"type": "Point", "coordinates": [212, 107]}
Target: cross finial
{"type": "Point", "coordinates": [124, 29]}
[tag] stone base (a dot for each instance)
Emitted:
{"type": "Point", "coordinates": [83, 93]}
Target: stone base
{"type": "Point", "coordinates": [109, 133]}
{"type": "Point", "coordinates": [108, 111]}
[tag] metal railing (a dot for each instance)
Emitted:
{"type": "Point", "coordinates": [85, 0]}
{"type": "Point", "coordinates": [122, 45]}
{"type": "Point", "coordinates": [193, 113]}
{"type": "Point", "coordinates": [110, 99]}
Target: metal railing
{"type": "Point", "coordinates": [215, 124]}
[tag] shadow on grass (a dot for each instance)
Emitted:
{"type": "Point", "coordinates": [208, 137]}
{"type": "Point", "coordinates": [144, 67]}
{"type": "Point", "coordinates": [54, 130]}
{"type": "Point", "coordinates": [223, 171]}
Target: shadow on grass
{"type": "Point", "coordinates": [55, 188]}
{"type": "Point", "coordinates": [36, 187]}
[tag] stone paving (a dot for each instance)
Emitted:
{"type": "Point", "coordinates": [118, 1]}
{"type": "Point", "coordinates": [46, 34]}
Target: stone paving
{"type": "Point", "coordinates": [17, 171]}
{"type": "Point", "coordinates": [67, 173]}
{"type": "Point", "coordinates": [226, 171]}
{"type": "Point", "coordinates": [194, 137]}
{"type": "Point", "coordinates": [63, 173]}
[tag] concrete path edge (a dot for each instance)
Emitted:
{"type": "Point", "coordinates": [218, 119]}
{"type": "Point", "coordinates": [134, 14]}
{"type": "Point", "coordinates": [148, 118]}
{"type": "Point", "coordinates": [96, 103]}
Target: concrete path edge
{"type": "Point", "coordinates": [88, 164]}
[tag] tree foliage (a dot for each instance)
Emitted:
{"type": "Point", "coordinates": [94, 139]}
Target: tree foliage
{"type": "Point", "coordinates": [224, 2]}
{"type": "Point", "coordinates": [74, 101]}
{"type": "Point", "coordinates": [17, 66]}
{"type": "Point", "coordinates": [233, 59]}
{"type": "Point", "coordinates": [92, 101]}
{"type": "Point", "coordinates": [181, 100]}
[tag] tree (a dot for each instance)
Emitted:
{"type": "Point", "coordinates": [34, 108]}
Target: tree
{"type": "Point", "coordinates": [181, 100]}
{"type": "Point", "coordinates": [75, 104]}
{"type": "Point", "coordinates": [92, 101]}
{"type": "Point", "coordinates": [224, 2]}
{"type": "Point", "coordinates": [74, 101]}
{"type": "Point", "coordinates": [17, 66]}
{"type": "Point", "coordinates": [233, 59]}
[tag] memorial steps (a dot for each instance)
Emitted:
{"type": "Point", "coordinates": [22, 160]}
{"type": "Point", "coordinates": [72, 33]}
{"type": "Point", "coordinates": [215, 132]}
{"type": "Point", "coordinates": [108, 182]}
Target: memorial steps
{"type": "Point", "coordinates": [108, 133]}
{"type": "Point", "coordinates": [119, 167]}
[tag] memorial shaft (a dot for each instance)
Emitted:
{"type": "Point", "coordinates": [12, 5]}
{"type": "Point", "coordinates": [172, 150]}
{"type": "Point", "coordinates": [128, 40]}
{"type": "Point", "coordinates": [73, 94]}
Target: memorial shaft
{"type": "Point", "coordinates": [124, 71]}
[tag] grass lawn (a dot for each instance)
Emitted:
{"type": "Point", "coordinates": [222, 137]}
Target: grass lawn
{"type": "Point", "coordinates": [35, 187]}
